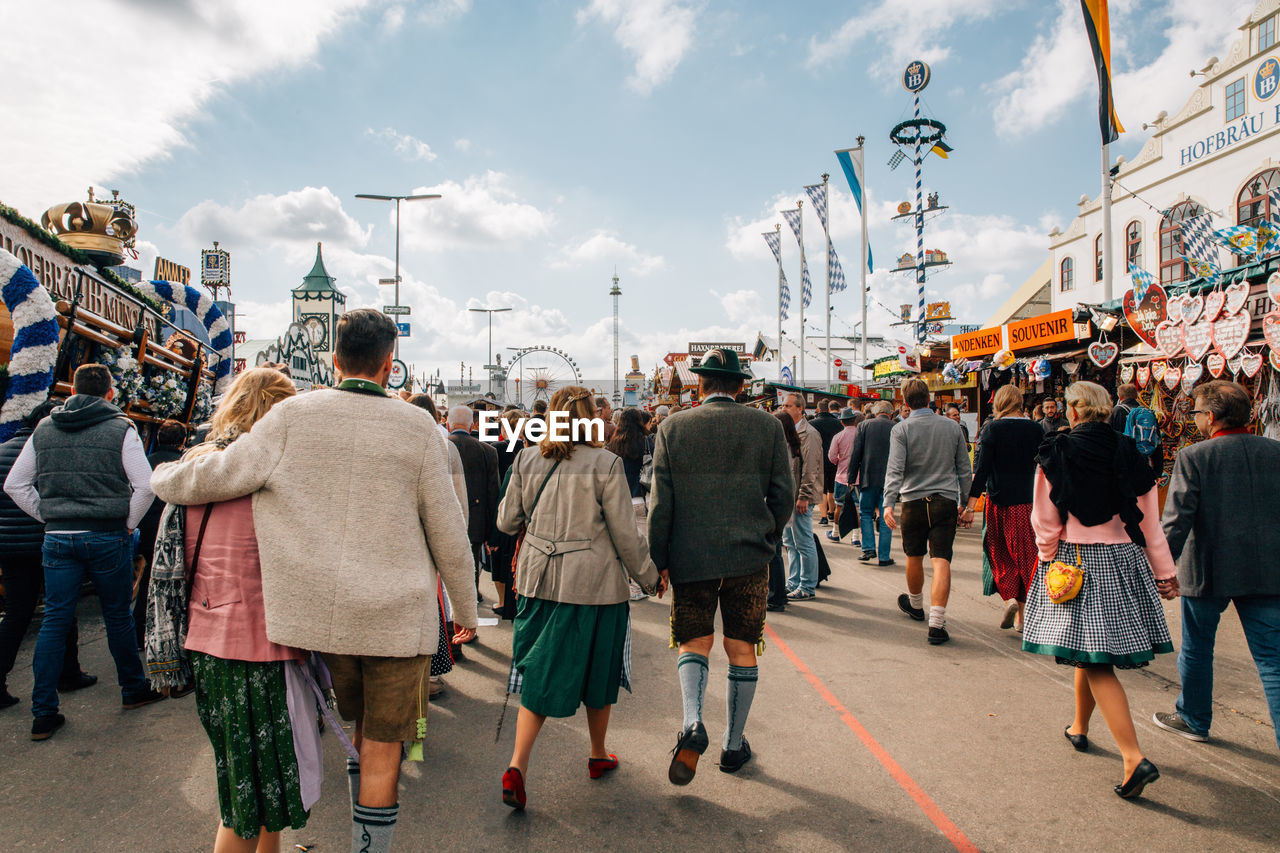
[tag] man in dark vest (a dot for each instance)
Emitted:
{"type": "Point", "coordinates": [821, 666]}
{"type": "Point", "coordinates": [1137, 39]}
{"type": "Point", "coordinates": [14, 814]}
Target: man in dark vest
{"type": "Point", "coordinates": [480, 469]}
{"type": "Point", "coordinates": [722, 494]}
{"type": "Point", "coordinates": [85, 475]}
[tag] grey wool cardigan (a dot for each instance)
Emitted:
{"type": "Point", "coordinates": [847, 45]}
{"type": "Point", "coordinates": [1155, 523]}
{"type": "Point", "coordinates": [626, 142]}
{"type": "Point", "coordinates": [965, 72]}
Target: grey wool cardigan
{"type": "Point", "coordinates": [722, 492]}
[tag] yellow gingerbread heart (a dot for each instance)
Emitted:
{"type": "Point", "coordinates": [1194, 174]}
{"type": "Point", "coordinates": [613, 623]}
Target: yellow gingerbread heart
{"type": "Point", "coordinates": [1062, 581]}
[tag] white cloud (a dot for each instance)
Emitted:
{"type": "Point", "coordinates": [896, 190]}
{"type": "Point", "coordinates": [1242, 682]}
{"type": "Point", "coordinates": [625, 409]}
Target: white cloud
{"type": "Point", "coordinates": [440, 12]}
{"type": "Point", "coordinates": [409, 147]}
{"type": "Point", "coordinates": [896, 36]}
{"type": "Point", "coordinates": [606, 248]}
{"type": "Point", "coordinates": [462, 144]}
{"type": "Point", "coordinates": [301, 217]}
{"type": "Point", "coordinates": [262, 320]}
{"type": "Point", "coordinates": [392, 19]}
{"type": "Point", "coordinates": [481, 211]}
{"type": "Point", "coordinates": [657, 33]}
{"type": "Point", "coordinates": [170, 59]}
{"type": "Point", "coordinates": [1057, 70]}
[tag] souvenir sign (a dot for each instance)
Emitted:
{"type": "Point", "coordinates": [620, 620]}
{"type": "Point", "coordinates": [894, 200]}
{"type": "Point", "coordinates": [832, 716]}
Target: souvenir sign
{"type": "Point", "coordinates": [1273, 288]}
{"type": "Point", "coordinates": [1230, 333]}
{"type": "Point", "coordinates": [1271, 330]}
{"type": "Point", "coordinates": [1213, 304]}
{"type": "Point", "coordinates": [1175, 307]}
{"type": "Point", "coordinates": [1275, 360]}
{"type": "Point", "coordinates": [1192, 306]}
{"type": "Point", "coordinates": [1238, 295]}
{"type": "Point", "coordinates": [1168, 338]}
{"type": "Point", "coordinates": [1251, 363]}
{"type": "Point", "coordinates": [1103, 353]}
{"type": "Point", "coordinates": [1126, 373]}
{"type": "Point", "coordinates": [1233, 364]}
{"type": "Point", "coordinates": [1143, 375]}
{"type": "Point", "coordinates": [1158, 369]}
{"type": "Point", "coordinates": [1197, 338]}
{"type": "Point", "coordinates": [1190, 376]}
{"type": "Point", "coordinates": [1172, 376]}
{"type": "Point", "coordinates": [1144, 316]}
{"type": "Point", "coordinates": [1216, 363]}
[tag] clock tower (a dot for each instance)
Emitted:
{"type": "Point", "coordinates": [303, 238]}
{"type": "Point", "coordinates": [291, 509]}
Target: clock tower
{"type": "Point", "coordinates": [316, 307]}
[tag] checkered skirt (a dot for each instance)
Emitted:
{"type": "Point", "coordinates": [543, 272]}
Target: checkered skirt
{"type": "Point", "coordinates": [1115, 619]}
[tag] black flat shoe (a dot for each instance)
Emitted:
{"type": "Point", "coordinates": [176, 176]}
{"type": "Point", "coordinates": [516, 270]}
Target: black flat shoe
{"type": "Point", "coordinates": [732, 760]}
{"type": "Point", "coordinates": [690, 745]}
{"type": "Point", "coordinates": [1080, 742]}
{"type": "Point", "coordinates": [1143, 775]}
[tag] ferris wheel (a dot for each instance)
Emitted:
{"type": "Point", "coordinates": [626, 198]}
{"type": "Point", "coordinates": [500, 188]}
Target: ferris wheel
{"type": "Point", "coordinates": [537, 372]}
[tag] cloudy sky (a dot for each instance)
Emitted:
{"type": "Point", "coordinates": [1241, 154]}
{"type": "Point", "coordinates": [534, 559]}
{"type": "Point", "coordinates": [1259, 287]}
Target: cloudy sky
{"type": "Point", "coordinates": [572, 137]}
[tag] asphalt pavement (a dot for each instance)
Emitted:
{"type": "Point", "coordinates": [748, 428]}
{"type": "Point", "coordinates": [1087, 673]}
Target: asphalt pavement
{"type": "Point", "coordinates": [865, 738]}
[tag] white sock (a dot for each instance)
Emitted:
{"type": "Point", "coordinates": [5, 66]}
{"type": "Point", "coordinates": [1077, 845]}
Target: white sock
{"type": "Point", "coordinates": [937, 617]}
{"type": "Point", "coordinates": [917, 599]}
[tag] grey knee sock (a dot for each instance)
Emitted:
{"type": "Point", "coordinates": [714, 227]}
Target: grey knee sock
{"type": "Point", "coordinates": [692, 669]}
{"type": "Point", "coordinates": [371, 828]}
{"type": "Point", "coordinates": [353, 781]}
{"type": "Point", "coordinates": [741, 690]}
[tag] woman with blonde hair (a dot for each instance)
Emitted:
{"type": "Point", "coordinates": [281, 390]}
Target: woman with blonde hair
{"type": "Point", "coordinates": [264, 782]}
{"type": "Point", "coordinates": [580, 547]}
{"type": "Point", "coordinates": [1095, 511]}
{"type": "Point", "coordinates": [1006, 470]}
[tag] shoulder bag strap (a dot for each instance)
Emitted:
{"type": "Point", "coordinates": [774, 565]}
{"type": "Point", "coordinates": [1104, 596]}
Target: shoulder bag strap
{"type": "Point", "coordinates": [538, 496]}
{"type": "Point", "coordinates": [195, 557]}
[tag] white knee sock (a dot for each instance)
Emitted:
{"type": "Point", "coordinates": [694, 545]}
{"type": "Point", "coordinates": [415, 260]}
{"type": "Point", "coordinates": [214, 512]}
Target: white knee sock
{"type": "Point", "coordinates": [917, 599]}
{"type": "Point", "coordinates": [937, 617]}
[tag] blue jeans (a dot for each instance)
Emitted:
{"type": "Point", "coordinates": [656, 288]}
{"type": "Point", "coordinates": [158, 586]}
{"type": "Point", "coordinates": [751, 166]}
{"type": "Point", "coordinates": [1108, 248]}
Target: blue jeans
{"type": "Point", "coordinates": [871, 501]}
{"type": "Point", "coordinates": [797, 537]}
{"type": "Point", "coordinates": [107, 559]}
{"type": "Point", "coordinates": [1260, 618]}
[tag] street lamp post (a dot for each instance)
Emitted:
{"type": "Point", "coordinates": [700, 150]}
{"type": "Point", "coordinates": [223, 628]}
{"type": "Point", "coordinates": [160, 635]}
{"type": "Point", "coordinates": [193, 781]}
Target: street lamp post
{"type": "Point", "coordinates": [489, 365]}
{"type": "Point", "coordinates": [397, 199]}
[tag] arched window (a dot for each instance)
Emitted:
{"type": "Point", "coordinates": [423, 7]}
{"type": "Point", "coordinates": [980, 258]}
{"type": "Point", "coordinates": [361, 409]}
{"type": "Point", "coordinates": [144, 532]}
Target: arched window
{"type": "Point", "coordinates": [1067, 279]}
{"type": "Point", "coordinates": [1133, 245]}
{"type": "Point", "coordinates": [1173, 268]}
{"type": "Point", "coordinates": [1253, 206]}
{"type": "Point", "coordinates": [1097, 258]}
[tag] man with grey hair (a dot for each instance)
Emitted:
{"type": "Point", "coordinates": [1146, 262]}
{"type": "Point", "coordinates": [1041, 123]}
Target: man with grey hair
{"type": "Point", "coordinates": [480, 469]}
{"type": "Point", "coordinates": [797, 538]}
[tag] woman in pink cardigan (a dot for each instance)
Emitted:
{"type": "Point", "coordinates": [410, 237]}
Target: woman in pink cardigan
{"type": "Point", "coordinates": [1095, 506]}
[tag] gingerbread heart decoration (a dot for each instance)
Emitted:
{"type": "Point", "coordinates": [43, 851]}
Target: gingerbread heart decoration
{"type": "Point", "coordinates": [1168, 339]}
{"type": "Point", "coordinates": [1197, 338]}
{"type": "Point", "coordinates": [1190, 376]}
{"type": "Point", "coordinates": [1192, 306]}
{"type": "Point", "coordinates": [1216, 363]}
{"type": "Point", "coordinates": [1275, 359]}
{"type": "Point", "coordinates": [1230, 333]}
{"type": "Point", "coordinates": [1158, 369]}
{"type": "Point", "coordinates": [1126, 373]}
{"type": "Point", "coordinates": [1233, 364]}
{"type": "Point", "coordinates": [1175, 307]}
{"type": "Point", "coordinates": [1251, 363]}
{"type": "Point", "coordinates": [1172, 376]}
{"type": "Point", "coordinates": [1273, 288]}
{"type": "Point", "coordinates": [1102, 354]}
{"type": "Point", "coordinates": [1238, 295]}
{"type": "Point", "coordinates": [1143, 375]}
{"type": "Point", "coordinates": [1213, 304]}
{"type": "Point", "coordinates": [1271, 330]}
{"type": "Point", "coordinates": [1144, 316]}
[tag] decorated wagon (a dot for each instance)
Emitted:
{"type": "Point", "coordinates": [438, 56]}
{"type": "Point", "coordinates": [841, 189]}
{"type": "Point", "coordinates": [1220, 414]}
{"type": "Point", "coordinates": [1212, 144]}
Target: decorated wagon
{"type": "Point", "coordinates": [64, 306]}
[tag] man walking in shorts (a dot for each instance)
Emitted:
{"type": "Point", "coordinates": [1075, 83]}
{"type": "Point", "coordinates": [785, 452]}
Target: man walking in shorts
{"type": "Point", "coordinates": [722, 494]}
{"type": "Point", "coordinates": [929, 469]}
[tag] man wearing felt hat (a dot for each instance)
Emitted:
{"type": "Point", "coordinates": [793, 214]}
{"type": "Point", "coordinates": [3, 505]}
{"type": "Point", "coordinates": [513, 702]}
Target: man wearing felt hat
{"type": "Point", "coordinates": [722, 494]}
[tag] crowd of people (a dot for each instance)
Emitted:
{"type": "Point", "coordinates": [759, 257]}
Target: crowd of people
{"type": "Point", "coordinates": [256, 604]}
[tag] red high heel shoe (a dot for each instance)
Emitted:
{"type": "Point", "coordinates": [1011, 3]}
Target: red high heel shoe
{"type": "Point", "coordinates": [513, 789]}
{"type": "Point", "coordinates": [597, 767]}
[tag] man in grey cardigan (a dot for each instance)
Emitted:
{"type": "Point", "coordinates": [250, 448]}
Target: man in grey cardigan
{"type": "Point", "coordinates": [722, 494]}
{"type": "Point", "coordinates": [1219, 518]}
{"type": "Point", "coordinates": [929, 468]}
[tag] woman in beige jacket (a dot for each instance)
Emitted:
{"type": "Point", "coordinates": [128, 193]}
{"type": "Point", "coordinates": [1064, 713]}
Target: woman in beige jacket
{"type": "Point", "coordinates": [580, 548]}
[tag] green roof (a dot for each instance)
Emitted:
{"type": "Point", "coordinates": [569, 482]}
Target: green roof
{"type": "Point", "coordinates": [1250, 272]}
{"type": "Point", "coordinates": [318, 280]}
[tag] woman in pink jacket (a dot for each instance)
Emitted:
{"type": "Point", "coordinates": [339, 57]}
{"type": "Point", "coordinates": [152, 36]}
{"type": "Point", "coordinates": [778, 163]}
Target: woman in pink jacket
{"type": "Point", "coordinates": [1095, 507]}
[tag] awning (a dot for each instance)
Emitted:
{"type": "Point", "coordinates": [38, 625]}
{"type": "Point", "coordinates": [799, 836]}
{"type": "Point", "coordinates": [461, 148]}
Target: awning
{"type": "Point", "coordinates": [1252, 272]}
{"type": "Point", "coordinates": [687, 376]}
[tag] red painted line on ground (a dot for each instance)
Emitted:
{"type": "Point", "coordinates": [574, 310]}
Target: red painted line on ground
{"type": "Point", "coordinates": [904, 780]}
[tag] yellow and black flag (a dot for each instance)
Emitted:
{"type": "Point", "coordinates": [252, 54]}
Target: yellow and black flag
{"type": "Point", "coordinates": [1095, 21]}
{"type": "Point", "coordinates": [942, 149]}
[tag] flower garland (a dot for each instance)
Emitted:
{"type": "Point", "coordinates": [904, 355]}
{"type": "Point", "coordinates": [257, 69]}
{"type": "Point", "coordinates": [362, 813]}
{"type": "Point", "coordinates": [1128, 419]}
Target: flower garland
{"type": "Point", "coordinates": [126, 375]}
{"type": "Point", "coordinates": [35, 343]}
{"type": "Point", "coordinates": [204, 407]}
{"type": "Point", "coordinates": [166, 394]}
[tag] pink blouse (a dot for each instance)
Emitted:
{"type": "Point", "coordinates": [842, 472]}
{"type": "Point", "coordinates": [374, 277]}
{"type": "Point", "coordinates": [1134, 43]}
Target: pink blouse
{"type": "Point", "coordinates": [226, 617]}
{"type": "Point", "coordinates": [1050, 529]}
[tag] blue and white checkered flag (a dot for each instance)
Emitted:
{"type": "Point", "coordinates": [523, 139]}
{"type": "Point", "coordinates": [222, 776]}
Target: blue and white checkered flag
{"type": "Point", "coordinates": [1202, 270]}
{"type": "Point", "coordinates": [1142, 280]}
{"type": "Point", "coordinates": [793, 219]}
{"type": "Point", "coordinates": [837, 272]}
{"type": "Point", "coordinates": [806, 286]}
{"type": "Point", "coordinates": [818, 195]}
{"type": "Point", "coordinates": [774, 239]}
{"type": "Point", "coordinates": [1241, 239]}
{"type": "Point", "coordinates": [784, 298]}
{"type": "Point", "coordinates": [1269, 229]}
{"type": "Point", "coordinates": [896, 160]}
{"type": "Point", "coordinates": [1197, 239]}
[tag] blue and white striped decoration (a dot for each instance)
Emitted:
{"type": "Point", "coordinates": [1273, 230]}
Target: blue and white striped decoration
{"type": "Point", "coordinates": [35, 343]}
{"type": "Point", "coordinates": [818, 195]}
{"type": "Point", "coordinates": [806, 286]}
{"type": "Point", "coordinates": [837, 272]}
{"type": "Point", "coordinates": [210, 315]}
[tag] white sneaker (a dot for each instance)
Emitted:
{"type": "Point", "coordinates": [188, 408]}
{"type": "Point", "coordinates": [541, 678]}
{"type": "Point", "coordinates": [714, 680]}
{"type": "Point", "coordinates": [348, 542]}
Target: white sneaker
{"type": "Point", "coordinates": [637, 594]}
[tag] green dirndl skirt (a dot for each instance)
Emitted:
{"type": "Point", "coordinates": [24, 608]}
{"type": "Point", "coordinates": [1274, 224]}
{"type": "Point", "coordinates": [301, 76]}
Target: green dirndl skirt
{"type": "Point", "coordinates": [568, 654]}
{"type": "Point", "coordinates": [245, 712]}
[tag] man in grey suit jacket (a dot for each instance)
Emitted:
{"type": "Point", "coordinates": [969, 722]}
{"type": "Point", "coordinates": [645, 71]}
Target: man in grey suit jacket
{"type": "Point", "coordinates": [722, 494]}
{"type": "Point", "coordinates": [1219, 518]}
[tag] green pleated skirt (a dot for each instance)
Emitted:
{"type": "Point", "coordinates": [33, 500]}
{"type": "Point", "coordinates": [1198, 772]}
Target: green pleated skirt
{"type": "Point", "coordinates": [245, 712]}
{"type": "Point", "coordinates": [568, 654]}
